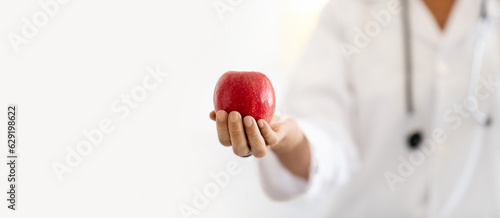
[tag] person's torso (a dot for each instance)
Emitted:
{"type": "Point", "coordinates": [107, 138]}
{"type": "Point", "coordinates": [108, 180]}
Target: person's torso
{"type": "Point", "coordinates": [456, 170]}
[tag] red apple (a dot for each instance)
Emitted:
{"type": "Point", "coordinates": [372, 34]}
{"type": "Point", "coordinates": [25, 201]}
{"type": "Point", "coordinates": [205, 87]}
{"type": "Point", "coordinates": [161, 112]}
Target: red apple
{"type": "Point", "coordinates": [249, 93]}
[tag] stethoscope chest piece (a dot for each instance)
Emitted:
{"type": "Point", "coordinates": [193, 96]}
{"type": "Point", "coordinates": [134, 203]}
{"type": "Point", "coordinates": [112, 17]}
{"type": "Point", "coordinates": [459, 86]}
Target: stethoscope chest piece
{"type": "Point", "coordinates": [414, 139]}
{"type": "Point", "coordinates": [414, 132]}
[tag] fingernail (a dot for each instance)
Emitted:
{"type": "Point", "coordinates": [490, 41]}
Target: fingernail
{"type": "Point", "coordinates": [233, 117]}
{"type": "Point", "coordinates": [218, 115]}
{"type": "Point", "coordinates": [247, 121]}
{"type": "Point", "coordinates": [261, 124]}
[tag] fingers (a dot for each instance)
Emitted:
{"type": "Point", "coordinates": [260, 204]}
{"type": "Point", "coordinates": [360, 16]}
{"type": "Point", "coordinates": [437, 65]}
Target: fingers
{"type": "Point", "coordinates": [244, 134]}
{"type": "Point", "coordinates": [237, 134]}
{"type": "Point", "coordinates": [222, 128]}
{"type": "Point", "coordinates": [270, 136]}
{"type": "Point", "coordinates": [255, 139]}
{"type": "Point", "coordinates": [212, 115]}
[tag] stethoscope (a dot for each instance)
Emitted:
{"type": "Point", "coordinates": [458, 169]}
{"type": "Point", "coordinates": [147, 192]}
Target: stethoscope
{"type": "Point", "coordinates": [415, 136]}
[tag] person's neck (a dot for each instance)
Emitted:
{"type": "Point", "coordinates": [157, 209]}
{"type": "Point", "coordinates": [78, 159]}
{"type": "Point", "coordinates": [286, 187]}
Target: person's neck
{"type": "Point", "coordinates": [441, 10]}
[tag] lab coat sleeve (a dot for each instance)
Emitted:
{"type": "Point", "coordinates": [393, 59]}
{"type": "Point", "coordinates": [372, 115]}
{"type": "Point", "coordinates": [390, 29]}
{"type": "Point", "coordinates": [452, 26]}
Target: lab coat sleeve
{"type": "Point", "coordinates": [321, 99]}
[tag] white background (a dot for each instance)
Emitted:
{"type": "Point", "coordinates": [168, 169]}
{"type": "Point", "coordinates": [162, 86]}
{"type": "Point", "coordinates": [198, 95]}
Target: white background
{"type": "Point", "coordinates": [66, 77]}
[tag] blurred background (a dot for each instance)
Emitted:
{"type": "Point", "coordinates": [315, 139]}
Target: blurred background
{"type": "Point", "coordinates": [85, 55]}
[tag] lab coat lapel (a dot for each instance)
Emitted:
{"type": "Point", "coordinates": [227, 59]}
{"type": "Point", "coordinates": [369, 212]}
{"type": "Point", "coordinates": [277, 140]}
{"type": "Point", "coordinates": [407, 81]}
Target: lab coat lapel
{"type": "Point", "coordinates": [462, 21]}
{"type": "Point", "coordinates": [423, 27]}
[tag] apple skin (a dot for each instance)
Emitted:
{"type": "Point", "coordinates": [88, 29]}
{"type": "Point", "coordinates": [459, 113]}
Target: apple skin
{"type": "Point", "coordinates": [249, 93]}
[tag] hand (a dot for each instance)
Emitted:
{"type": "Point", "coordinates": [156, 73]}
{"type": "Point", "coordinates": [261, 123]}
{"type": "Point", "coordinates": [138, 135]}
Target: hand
{"type": "Point", "coordinates": [283, 136]}
{"type": "Point", "coordinates": [245, 134]}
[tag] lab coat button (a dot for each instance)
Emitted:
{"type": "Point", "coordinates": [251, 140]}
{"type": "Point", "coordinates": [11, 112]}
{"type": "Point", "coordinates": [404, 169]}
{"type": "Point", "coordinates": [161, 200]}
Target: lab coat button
{"type": "Point", "coordinates": [442, 69]}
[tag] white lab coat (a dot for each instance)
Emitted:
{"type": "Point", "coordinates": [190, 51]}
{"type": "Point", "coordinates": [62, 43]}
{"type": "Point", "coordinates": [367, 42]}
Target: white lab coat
{"type": "Point", "coordinates": [354, 116]}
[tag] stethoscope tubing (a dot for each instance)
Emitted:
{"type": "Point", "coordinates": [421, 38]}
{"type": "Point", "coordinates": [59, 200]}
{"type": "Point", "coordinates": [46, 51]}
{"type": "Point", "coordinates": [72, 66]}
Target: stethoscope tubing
{"type": "Point", "coordinates": [415, 136]}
